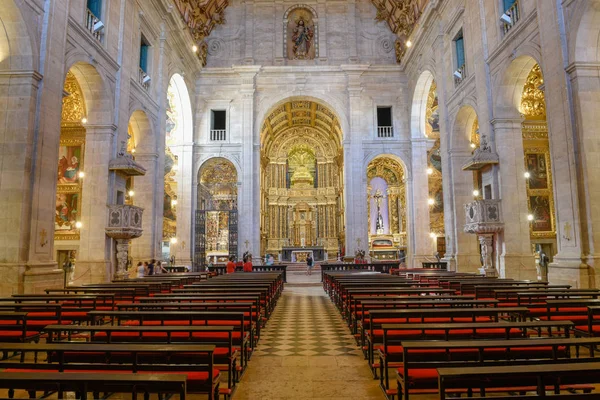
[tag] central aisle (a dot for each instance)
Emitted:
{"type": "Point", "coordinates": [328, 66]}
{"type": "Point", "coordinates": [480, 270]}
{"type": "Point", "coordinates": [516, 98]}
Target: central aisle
{"type": "Point", "coordinates": [306, 352]}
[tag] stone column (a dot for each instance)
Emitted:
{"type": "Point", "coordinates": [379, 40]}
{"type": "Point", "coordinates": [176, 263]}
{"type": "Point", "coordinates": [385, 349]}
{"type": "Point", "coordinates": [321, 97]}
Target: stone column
{"type": "Point", "coordinates": [486, 242]}
{"type": "Point", "coordinates": [148, 245]}
{"type": "Point", "coordinates": [460, 187]}
{"type": "Point", "coordinates": [95, 248]}
{"type": "Point", "coordinates": [185, 201]}
{"type": "Point", "coordinates": [421, 245]}
{"type": "Point", "coordinates": [585, 86]}
{"type": "Point", "coordinates": [516, 259]}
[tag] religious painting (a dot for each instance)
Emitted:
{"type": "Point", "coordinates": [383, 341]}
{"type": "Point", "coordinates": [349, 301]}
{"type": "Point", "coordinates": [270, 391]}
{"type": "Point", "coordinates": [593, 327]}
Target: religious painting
{"type": "Point", "coordinates": [66, 214]}
{"type": "Point", "coordinates": [69, 159]}
{"type": "Point", "coordinates": [537, 168]}
{"type": "Point", "coordinates": [301, 35]}
{"type": "Point", "coordinates": [542, 215]}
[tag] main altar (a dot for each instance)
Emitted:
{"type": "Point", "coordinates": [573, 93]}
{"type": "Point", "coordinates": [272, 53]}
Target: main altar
{"type": "Point", "coordinates": [300, 254]}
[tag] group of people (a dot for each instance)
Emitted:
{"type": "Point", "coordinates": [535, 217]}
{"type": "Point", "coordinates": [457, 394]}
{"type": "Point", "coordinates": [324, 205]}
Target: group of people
{"type": "Point", "coordinates": [247, 264]}
{"type": "Point", "coordinates": [149, 268]}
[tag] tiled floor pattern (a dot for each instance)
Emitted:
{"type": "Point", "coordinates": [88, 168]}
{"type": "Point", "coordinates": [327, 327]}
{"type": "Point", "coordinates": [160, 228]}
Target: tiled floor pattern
{"type": "Point", "coordinates": [306, 352]}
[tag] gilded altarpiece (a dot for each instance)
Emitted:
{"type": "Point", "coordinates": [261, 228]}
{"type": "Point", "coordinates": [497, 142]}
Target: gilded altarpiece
{"type": "Point", "coordinates": [386, 243]}
{"type": "Point", "coordinates": [540, 197]}
{"type": "Point", "coordinates": [301, 179]}
{"type": "Point", "coordinates": [70, 162]}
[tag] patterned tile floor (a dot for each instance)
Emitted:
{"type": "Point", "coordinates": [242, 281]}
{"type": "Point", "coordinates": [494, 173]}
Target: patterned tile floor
{"type": "Point", "coordinates": [306, 352]}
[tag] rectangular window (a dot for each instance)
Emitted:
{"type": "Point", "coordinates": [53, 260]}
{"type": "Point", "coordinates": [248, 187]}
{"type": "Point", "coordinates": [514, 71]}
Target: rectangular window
{"type": "Point", "coordinates": [508, 4]}
{"type": "Point", "coordinates": [384, 122]}
{"type": "Point", "coordinates": [218, 125]}
{"type": "Point", "coordinates": [95, 6]}
{"type": "Point", "coordinates": [144, 47]}
{"type": "Point", "coordinates": [459, 45]}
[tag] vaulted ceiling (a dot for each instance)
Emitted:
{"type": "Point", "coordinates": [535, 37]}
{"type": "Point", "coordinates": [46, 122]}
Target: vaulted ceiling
{"type": "Point", "coordinates": [201, 16]}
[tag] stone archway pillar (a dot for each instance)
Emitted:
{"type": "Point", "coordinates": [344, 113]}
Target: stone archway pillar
{"type": "Point", "coordinates": [460, 185]}
{"type": "Point", "coordinates": [93, 261]}
{"type": "Point", "coordinates": [185, 199]}
{"type": "Point", "coordinates": [149, 245]}
{"type": "Point", "coordinates": [423, 245]}
{"type": "Point", "coordinates": [516, 256]}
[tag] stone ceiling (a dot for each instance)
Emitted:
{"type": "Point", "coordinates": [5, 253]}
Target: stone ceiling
{"type": "Point", "coordinates": [201, 16]}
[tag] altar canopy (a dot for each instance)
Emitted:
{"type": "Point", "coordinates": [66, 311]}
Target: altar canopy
{"type": "Point", "coordinates": [301, 178]}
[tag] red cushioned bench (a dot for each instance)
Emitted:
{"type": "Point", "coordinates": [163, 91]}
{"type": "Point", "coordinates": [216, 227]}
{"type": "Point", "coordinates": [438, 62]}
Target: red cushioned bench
{"type": "Point", "coordinates": [13, 328]}
{"type": "Point", "coordinates": [225, 354]}
{"type": "Point", "coordinates": [240, 336]}
{"type": "Point", "coordinates": [538, 378]}
{"type": "Point", "coordinates": [129, 358]}
{"type": "Point", "coordinates": [418, 371]}
{"type": "Point", "coordinates": [267, 302]}
{"type": "Point", "coordinates": [117, 294]}
{"type": "Point", "coordinates": [374, 333]}
{"type": "Point", "coordinates": [82, 383]}
{"type": "Point", "coordinates": [391, 351]}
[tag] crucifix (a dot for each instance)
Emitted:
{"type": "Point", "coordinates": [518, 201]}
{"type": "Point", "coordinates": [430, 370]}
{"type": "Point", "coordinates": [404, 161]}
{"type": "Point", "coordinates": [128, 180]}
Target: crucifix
{"type": "Point", "coordinates": [567, 230]}
{"type": "Point", "coordinates": [379, 225]}
{"type": "Point", "coordinates": [358, 243]}
{"type": "Point", "coordinates": [247, 243]}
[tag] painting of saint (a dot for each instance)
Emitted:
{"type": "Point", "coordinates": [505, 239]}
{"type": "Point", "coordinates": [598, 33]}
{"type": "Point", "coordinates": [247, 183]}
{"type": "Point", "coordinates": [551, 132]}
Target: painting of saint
{"type": "Point", "coordinates": [300, 35]}
{"type": "Point", "coordinates": [66, 212]}
{"type": "Point", "coordinates": [69, 164]}
{"type": "Point", "coordinates": [542, 216]}
{"type": "Point", "coordinates": [536, 166]}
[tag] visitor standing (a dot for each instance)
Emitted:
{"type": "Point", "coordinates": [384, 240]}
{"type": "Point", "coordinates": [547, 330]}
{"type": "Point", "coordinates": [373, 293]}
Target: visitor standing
{"type": "Point", "coordinates": [140, 270]}
{"type": "Point", "coordinates": [151, 267]}
{"type": "Point", "coordinates": [310, 263]}
{"type": "Point", "coordinates": [543, 263]}
{"type": "Point", "coordinates": [231, 265]}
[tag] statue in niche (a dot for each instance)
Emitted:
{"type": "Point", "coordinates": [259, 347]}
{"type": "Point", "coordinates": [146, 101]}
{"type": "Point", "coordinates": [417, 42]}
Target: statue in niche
{"type": "Point", "coordinates": [379, 225]}
{"type": "Point", "coordinates": [301, 34]}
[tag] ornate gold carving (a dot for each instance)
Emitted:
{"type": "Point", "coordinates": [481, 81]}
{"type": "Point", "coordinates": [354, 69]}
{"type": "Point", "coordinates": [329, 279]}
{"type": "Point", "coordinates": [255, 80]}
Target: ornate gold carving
{"type": "Point", "coordinates": [201, 16]}
{"type": "Point", "coordinates": [432, 117]}
{"type": "Point", "coordinates": [533, 103]}
{"type": "Point", "coordinates": [393, 173]}
{"type": "Point", "coordinates": [475, 137]}
{"type": "Point", "coordinates": [73, 109]}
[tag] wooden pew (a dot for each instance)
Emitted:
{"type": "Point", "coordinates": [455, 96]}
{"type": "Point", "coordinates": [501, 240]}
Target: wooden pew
{"type": "Point", "coordinates": [420, 359]}
{"type": "Point", "coordinates": [390, 352]}
{"type": "Point", "coordinates": [82, 383]}
{"type": "Point", "coordinates": [128, 358]}
{"type": "Point", "coordinates": [539, 378]}
{"type": "Point", "coordinates": [225, 353]}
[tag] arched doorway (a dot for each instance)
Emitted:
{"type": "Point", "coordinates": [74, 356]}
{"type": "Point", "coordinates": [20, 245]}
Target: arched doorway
{"type": "Point", "coordinates": [386, 209]}
{"type": "Point", "coordinates": [301, 182]}
{"type": "Point", "coordinates": [216, 216]}
{"type": "Point", "coordinates": [177, 173]}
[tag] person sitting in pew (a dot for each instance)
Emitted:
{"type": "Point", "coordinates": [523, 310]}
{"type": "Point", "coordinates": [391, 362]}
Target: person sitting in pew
{"type": "Point", "coordinates": [231, 265]}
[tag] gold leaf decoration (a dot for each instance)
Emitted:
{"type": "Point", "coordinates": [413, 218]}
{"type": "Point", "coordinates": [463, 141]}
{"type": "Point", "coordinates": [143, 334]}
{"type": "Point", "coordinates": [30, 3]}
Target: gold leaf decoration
{"type": "Point", "coordinates": [73, 109]}
{"type": "Point", "coordinates": [533, 103]}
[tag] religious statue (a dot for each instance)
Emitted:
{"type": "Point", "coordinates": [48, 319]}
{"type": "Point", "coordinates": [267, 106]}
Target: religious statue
{"type": "Point", "coordinates": [379, 225]}
{"type": "Point", "coordinates": [302, 38]}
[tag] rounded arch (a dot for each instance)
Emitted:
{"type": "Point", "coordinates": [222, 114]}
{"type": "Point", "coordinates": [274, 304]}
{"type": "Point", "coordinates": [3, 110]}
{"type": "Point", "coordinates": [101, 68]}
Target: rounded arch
{"type": "Point", "coordinates": [17, 48]}
{"type": "Point", "coordinates": [509, 88]}
{"type": "Point", "coordinates": [398, 159]}
{"type": "Point", "coordinates": [205, 160]}
{"type": "Point", "coordinates": [143, 132]}
{"type": "Point", "coordinates": [98, 99]}
{"type": "Point", "coordinates": [462, 127]}
{"type": "Point", "coordinates": [334, 104]}
{"type": "Point", "coordinates": [419, 104]}
{"type": "Point", "coordinates": [179, 104]}
{"type": "Point", "coordinates": [586, 46]}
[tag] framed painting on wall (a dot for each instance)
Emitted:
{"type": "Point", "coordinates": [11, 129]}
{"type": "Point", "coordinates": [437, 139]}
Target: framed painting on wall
{"type": "Point", "coordinates": [537, 166]}
{"type": "Point", "coordinates": [541, 210]}
{"type": "Point", "coordinates": [69, 164]}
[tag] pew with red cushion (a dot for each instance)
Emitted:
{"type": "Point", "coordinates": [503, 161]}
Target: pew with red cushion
{"type": "Point", "coordinates": [225, 354]}
{"type": "Point", "coordinates": [390, 352]}
{"type": "Point", "coordinates": [128, 358]}
{"type": "Point", "coordinates": [540, 379]}
{"type": "Point", "coordinates": [377, 318]}
{"type": "Point", "coordinates": [13, 328]}
{"type": "Point", "coordinates": [418, 372]}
